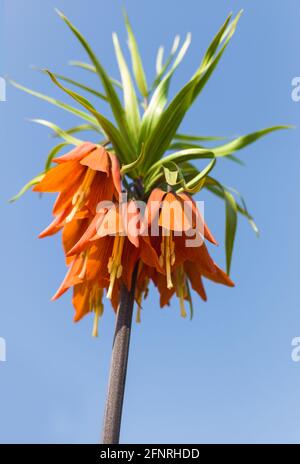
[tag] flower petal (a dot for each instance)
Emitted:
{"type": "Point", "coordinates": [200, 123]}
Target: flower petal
{"type": "Point", "coordinates": [97, 160]}
{"type": "Point", "coordinates": [59, 178]}
{"type": "Point", "coordinates": [77, 153]}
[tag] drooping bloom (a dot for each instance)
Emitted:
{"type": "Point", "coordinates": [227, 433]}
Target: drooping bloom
{"type": "Point", "coordinates": [105, 256]}
{"type": "Point", "coordinates": [83, 177]}
{"type": "Point", "coordinates": [179, 241]}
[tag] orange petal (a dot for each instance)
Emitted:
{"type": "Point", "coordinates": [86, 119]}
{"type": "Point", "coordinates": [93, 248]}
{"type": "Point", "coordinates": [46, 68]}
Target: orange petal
{"type": "Point", "coordinates": [102, 189]}
{"type": "Point", "coordinates": [55, 226]}
{"type": "Point", "coordinates": [59, 178]}
{"type": "Point", "coordinates": [84, 240]}
{"type": "Point", "coordinates": [77, 153]}
{"type": "Point", "coordinates": [206, 232]}
{"type": "Point", "coordinates": [130, 216]}
{"type": "Point", "coordinates": [81, 301]}
{"type": "Point", "coordinates": [97, 160]}
{"type": "Point", "coordinates": [197, 254]}
{"type": "Point", "coordinates": [175, 214]}
{"type": "Point", "coordinates": [153, 205]}
{"type": "Point", "coordinates": [99, 254]}
{"type": "Point", "coordinates": [148, 254]}
{"type": "Point", "coordinates": [115, 171]}
{"type": "Point", "coordinates": [64, 198]}
{"type": "Point", "coordinates": [115, 299]}
{"type": "Point", "coordinates": [72, 232]}
{"type": "Point", "coordinates": [219, 276]}
{"type": "Point", "coordinates": [165, 293]}
{"type": "Point", "coordinates": [195, 279]}
{"type": "Point", "coordinates": [112, 223]}
{"type": "Point", "coordinates": [71, 277]}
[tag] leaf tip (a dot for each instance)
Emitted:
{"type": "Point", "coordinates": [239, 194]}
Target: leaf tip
{"type": "Point", "coordinates": [60, 13]}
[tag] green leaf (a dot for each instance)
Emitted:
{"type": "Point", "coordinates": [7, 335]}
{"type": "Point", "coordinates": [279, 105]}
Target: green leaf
{"type": "Point", "coordinates": [245, 140]}
{"type": "Point", "coordinates": [197, 138]}
{"type": "Point", "coordinates": [26, 187]}
{"type": "Point", "coordinates": [196, 183]}
{"type": "Point", "coordinates": [137, 65]}
{"type": "Point", "coordinates": [83, 65]}
{"type": "Point", "coordinates": [53, 101]}
{"type": "Point", "coordinates": [58, 131]}
{"type": "Point", "coordinates": [130, 99]}
{"type": "Point", "coordinates": [209, 64]}
{"type": "Point", "coordinates": [169, 121]}
{"type": "Point", "coordinates": [113, 99]}
{"type": "Point", "coordinates": [158, 101]}
{"type": "Point", "coordinates": [210, 52]}
{"type": "Point", "coordinates": [183, 155]}
{"type": "Point", "coordinates": [81, 128]}
{"type": "Point", "coordinates": [53, 153]}
{"type": "Point", "coordinates": [109, 129]}
{"type": "Point", "coordinates": [217, 189]}
{"type": "Point", "coordinates": [159, 60]}
{"type": "Point", "coordinates": [235, 159]}
{"type": "Point", "coordinates": [91, 68]}
{"type": "Point", "coordinates": [231, 224]}
{"type": "Point", "coordinates": [245, 210]}
{"type": "Point", "coordinates": [80, 86]}
{"type": "Point", "coordinates": [160, 67]}
{"type": "Point", "coordinates": [127, 168]}
{"type": "Point", "coordinates": [185, 146]}
{"type": "Point", "coordinates": [232, 208]}
{"type": "Point", "coordinates": [171, 173]}
{"type": "Point", "coordinates": [190, 299]}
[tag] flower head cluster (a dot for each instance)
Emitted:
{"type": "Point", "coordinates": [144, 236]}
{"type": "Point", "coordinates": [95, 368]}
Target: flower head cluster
{"type": "Point", "coordinates": [105, 238]}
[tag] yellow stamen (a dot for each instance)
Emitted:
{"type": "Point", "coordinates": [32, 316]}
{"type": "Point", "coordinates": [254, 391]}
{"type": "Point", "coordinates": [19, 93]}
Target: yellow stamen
{"type": "Point", "coordinates": [114, 264]}
{"type": "Point", "coordinates": [141, 291]}
{"type": "Point", "coordinates": [80, 196]}
{"type": "Point", "coordinates": [97, 307]}
{"type": "Point", "coordinates": [181, 289]}
{"type": "Point", "coordinates": [84, 265]}
{"type": "Point", "coordinates": [167, 257]}
{"type": "Point", "coordinates": [182, 306]}
{"type": "Point", "coordinates": [138, 313]}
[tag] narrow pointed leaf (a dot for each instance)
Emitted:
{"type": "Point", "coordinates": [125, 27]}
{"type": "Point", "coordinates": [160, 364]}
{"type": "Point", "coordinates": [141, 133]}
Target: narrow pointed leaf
{"type": "Point", "coordinates": [183, 155]}
{"type": "Point", "coordinates": [231, 224]}
{"type": "Point", "coordinates": [159, 60]}
{"type": "Point", "coordinates": [172, 116]}
{"type": "Point", "coordinates": [91, 68]}
{"type": "Point", "coordinates": [159, 98]}
{"type": "Point", "coordinates": [242, 142]}
{"type": "Point", "coordinates": [80, 86]}
{"type": "Point", "coordinates": [55, 150]}
{"type": "Point", "coordinates": [137, 65]}
{"type": "Point", "coordinates": [58, 131]}
{"type": "Point", "coordinates": [81, 128]}
{"type": "Point", "coordinates": [160, 67]}
{"type": "Point", "coordinates": [110, 92]}
{"type": "Point", "coordinates": [197, 138]}
{"type": "Point", "coordinates": [109, 129]}
{"type": "Point", "coordinates": [26, 187]}
{"type": "Point", "coordinates": [79, 113]}
{"type": "Point", "coordinates": [130, 99]}
{"type": "Point", "coordinates": [127, 168]}
{"type": "Point", "coordinates": [195, 184]}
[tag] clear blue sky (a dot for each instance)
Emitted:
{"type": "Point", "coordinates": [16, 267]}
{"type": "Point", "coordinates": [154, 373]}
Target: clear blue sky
{"type": "Point", "coordinates": [227, 376]}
